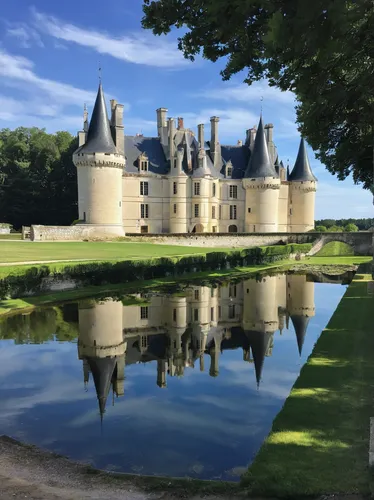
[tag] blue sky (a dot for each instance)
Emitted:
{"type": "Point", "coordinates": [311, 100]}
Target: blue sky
{"type": "Point", "coordinates": [49, 58]}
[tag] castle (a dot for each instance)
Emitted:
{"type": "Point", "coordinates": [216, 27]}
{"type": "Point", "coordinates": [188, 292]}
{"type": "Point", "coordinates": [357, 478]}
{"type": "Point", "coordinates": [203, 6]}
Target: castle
{"type": "Point", "coordinates": [177, 183]}
{"type": "Point", "coordinates": [176, 331]}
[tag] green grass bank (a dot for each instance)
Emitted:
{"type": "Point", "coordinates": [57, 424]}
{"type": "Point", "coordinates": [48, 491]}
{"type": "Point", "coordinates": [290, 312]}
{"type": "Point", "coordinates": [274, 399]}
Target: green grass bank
{"type": "Point", "coordinates": [335, 249]}
{"type": "Point", "coordinates": [319, 441]}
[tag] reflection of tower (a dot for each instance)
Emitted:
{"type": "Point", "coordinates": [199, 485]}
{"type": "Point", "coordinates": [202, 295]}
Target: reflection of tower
{"type": "Point", "coordinates": [300, 305]}
{"type": "Point", "coordinates": [178, 325]}
{"type": "Point", "coordinates": [101, 346]}
{"type": "Point", "coordinates": [260, 317]}
{"type": "Point", "coordinates": [161, 373]}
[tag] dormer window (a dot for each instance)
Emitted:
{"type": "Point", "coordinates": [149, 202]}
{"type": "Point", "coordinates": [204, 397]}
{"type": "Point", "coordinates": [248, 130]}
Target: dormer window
{"type": "Point", "coordinates": [143, 163]}
{"type": "Point", "coordinates": [229, 171]}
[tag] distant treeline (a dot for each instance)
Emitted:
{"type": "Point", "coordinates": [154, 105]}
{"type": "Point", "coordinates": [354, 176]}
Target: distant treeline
{"type": "Point", "coordinates": [38, 180]}
{"type": "Point", "coordinates": [361, 224]}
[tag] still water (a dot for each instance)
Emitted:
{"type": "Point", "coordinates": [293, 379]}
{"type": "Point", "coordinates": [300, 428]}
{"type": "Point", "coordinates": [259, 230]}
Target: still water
{"type": "Point", "coordinates": [179, 384]}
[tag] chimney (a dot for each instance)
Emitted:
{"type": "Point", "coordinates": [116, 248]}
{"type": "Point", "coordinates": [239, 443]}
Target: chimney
{"type": "Point", "coordinates": [269, 132]}
{"type": "Point", "coordinates": [215, 149]}
{"type": "Point", "coordinates": [161, 119]}
{"type": "Point", "coordinates": [200, 129]}
{"type": "Point", "coordinates": [240, 142]}
{"type": "Point", "coordinates": [171, 133]}
{"type": "Point", "coordinates": [116, 122]}
{"type": "Point", "coordinates": [180, 123]}
{"type": "Point", "coordinates": [85, 119]}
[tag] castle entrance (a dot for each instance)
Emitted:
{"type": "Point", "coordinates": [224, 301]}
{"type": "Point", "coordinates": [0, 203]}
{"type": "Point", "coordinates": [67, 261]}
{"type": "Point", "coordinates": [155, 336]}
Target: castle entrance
{"type": "Point", "coordinates": [199, 228]}
{"type": "Point", "coordinates": [233, 228]}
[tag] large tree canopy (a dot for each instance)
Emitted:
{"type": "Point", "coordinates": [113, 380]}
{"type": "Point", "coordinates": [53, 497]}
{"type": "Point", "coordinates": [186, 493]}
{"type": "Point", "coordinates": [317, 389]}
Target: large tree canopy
{"type": "Point", "coordinates": [38, 183]}
{"type": "Point", "coordinates": [322, 50]}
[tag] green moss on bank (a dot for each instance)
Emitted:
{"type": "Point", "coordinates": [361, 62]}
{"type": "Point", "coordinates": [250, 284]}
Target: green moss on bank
{"type": "Point", "coordinates": [319, 441]}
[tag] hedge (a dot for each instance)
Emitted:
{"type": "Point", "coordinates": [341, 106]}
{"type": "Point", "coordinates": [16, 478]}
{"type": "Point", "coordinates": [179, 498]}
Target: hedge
{"type": "Point", "coordinates": [101, 273]}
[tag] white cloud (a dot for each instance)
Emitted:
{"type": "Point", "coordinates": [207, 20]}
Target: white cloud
{"type": "Point", "coordinates": [246, 93]}
{"type": "Point", "coordinates": [136, 48]}
{"type": "Point", "coordinates": [25, 35]}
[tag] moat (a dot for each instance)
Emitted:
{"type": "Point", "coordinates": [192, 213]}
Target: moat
{"type": "Point", "coordinates": [182, 383]}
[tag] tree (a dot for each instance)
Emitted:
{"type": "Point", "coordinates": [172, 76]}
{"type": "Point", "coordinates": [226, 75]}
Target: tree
{"type": "Point", "coordinates": [323, 51]}
{"type": "Point", "coordinates": [321, 229]}
{"type": "Point", "coordinates": [351, 228]}
{"type": "Point", "coordinates": [335, 229]}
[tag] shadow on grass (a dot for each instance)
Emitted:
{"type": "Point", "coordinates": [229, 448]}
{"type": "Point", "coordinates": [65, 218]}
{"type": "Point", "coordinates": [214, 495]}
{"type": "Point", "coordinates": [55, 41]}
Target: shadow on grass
{"type": "Point", "coordinates": [319, 441]}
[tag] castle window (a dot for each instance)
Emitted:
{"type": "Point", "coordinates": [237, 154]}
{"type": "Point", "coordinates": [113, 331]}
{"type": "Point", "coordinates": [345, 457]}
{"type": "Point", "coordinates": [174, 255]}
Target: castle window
{"type": "Point", "coordinates": [212, 292]}
{"type": "Point", "coordinates": [229, 171]}
{"type": "Point", "coordinates": [232, 211]}
{"type": "Point", "coordinates": [212, 314]}
{"type": "Point", "coordinates": [175, 188]}
{"type": "Point", "coordinates": [196, 188]}
{"type": "Point", "coordinates": [144, 210]}
{"type": "Point", "coordinates": [233, 192]}
{"type": "Point", "coordinates": [144, 341]}
{"type": "Point", "coordinates": [196, 294]}
{"type": "Point", "coordinates": [232, 291]}
{"type": "Point", "coordinates": [144, 188]}
{"type": "Point", "coordinates": [175, 163]}
{"type": "Point", "coordinates": [214, 229]}
{"type": "Point", "coordinates": [144, 312]}
{"type": "Point", "coordinates": [144, 229]}
{"type": "Point", "coordinates": [213, 212]}
{"type": "Point", "coordinates": [175, 208]}
{"type": "Point", "coordinates": [232, 312]}
{"type": "Point", "coordinates": [174, 315]}
{"type": "Point", "coordinates": [144, 165]}
{"type": "Point", "coordinates": [196, 210]}
{"type": "Point", "coordinates": [196, 315]}
{"type": "Point", "coordinates": [249, 210]}
{"type": "Point", "coordinates": [290, 211]}
{"type": "Point", "coordinates": [214, 190]}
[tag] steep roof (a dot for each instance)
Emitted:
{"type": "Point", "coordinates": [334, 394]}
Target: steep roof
{"type": "Point", "coordinates": [259, 343]}
{"type": "Point", "coordinates": [239, 157]}
{"type": "Point", "coordinates": [300, 324]}
{"type": "Point", "coordinates": [302, 171]}
{"type": "Point", "coordinates": [99, 136]}
{"type": "Point", "coordinates": [102, 371]}
{"type": "Point", "coordinates": [150, 146]}
{"type": "Point", "coordinates": [259, 163]}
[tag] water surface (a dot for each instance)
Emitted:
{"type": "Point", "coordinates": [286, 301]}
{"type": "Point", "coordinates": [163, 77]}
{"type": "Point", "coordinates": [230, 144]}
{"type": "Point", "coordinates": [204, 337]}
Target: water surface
{"type": "Point", "coordinates": [182, 384]}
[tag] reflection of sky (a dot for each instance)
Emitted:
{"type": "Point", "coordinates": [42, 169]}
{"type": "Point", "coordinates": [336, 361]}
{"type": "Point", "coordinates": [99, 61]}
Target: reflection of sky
{"type": "Point", "coordinates": [198, 426]}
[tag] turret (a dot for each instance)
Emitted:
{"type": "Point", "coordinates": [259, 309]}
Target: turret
{"type": "Point", "coordinates": [262, 185]}
{"type": "Point", "coordinates": [99, 168]}
{"type": "Point", "coordinates": [178, 193]}
{"type": "Point", "coordinates": [303, 186]}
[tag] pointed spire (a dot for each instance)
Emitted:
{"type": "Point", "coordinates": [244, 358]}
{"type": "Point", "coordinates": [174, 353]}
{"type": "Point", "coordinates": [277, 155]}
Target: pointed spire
{"type": "Point", "coordinates": [259, 342]}
{"type": "Point", "coordinates": [259, 163]}
{"type": "Point", "coordinates": [300, 324]}
{"type": "Point", "coordinates": [99, 136]}
{"type": "Point", "coordinates": [102, 371]}
{"type": "Point", "coordinates": [277, 165]}
{"type": "Point", "coordinates": [302, 171]}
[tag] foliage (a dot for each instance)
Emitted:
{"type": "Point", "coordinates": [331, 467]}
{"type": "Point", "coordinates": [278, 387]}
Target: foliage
{"type": "Point", "coordinates": [322, 51]}
{"type": "Point", "coordinates": [335, 249]}
{"type": "Point", "coordinates": [335, 229]}
{"type": "Point", "coordinates": [32, 281]}
{"type": "Point", "coordinates": [321, 229]}
{"type": "Point", "coordinates": [362, 224]}
{"type": "Point", "coordinates": [38, 182]}
{"type": "Point", "coordinates": [351, 228]}
{"type": "Point", "coordinates": [321, 433]}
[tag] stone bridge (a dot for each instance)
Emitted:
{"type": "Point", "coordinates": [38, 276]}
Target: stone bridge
{"type": "Point", "coordinates": [361, 242]}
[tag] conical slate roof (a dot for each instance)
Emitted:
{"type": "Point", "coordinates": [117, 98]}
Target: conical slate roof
{"type": "Point", "coordinates": [99, 137]}
{"type": "Point", "coordinates": [259, 163]}
{"type": "Point", "coordinates": [300, 323]}
{"type": "Point", "coordinates": [259, 342]}
{"type": "Point", "coordinates": [102, 371]}
{"type": "Point", "coordinates": [302, 171]}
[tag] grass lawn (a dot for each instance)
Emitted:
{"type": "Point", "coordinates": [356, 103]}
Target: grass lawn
{"type": "Point", "coordinates": [335, 248]}
{"type": "Point", "coordinates": [24, 251]}
{"type": "Point", "coordinates": [12, 236]}
{"type": "Point", "coordinates": [319, 441]}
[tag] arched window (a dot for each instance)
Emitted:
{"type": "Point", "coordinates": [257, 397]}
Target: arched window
{"type": "Point", "coordinates": [233, 228]}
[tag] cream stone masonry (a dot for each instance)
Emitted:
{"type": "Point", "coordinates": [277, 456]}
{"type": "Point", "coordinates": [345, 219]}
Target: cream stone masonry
{"type": "Point", "coordinates": [179, 183]}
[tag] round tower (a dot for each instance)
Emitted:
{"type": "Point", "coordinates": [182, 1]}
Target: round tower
{"type": "Point", "coordinates": [303, 186]}
{"type": "Point", "coordinates": [178, 194]}
{"type": "Point", "coordinates": [99, 168]}
{"type": "Point", "coordinates": [262, 185]}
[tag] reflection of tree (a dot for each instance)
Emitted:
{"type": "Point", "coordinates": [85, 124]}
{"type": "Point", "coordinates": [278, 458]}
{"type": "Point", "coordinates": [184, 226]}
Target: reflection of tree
{"type": "Point", "coordinates": [41, 325]}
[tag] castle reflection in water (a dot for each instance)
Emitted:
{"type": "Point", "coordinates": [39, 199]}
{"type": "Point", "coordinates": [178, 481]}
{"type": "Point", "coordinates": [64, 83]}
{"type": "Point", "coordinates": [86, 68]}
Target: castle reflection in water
{"type": "Point", "coordinates": [176, 331]}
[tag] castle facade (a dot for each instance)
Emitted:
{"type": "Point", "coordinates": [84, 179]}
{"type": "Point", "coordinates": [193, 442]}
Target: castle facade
{"type": "Point", "coordinates": [179, 183]}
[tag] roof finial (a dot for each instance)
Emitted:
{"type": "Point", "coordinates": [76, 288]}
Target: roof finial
{"type": "Point", "coordinates": [100, 74]}
{"type": "Point", "coordinates": [261, 100]}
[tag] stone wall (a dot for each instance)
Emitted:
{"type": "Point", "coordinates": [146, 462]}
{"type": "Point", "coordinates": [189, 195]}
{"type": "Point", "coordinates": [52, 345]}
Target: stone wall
{"type": "Point", "coordinates": [4, 230]}
{"type": "Point", "coordinates": [225, 240]}
{"type": "Point", "coordinates": [78, 232]}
